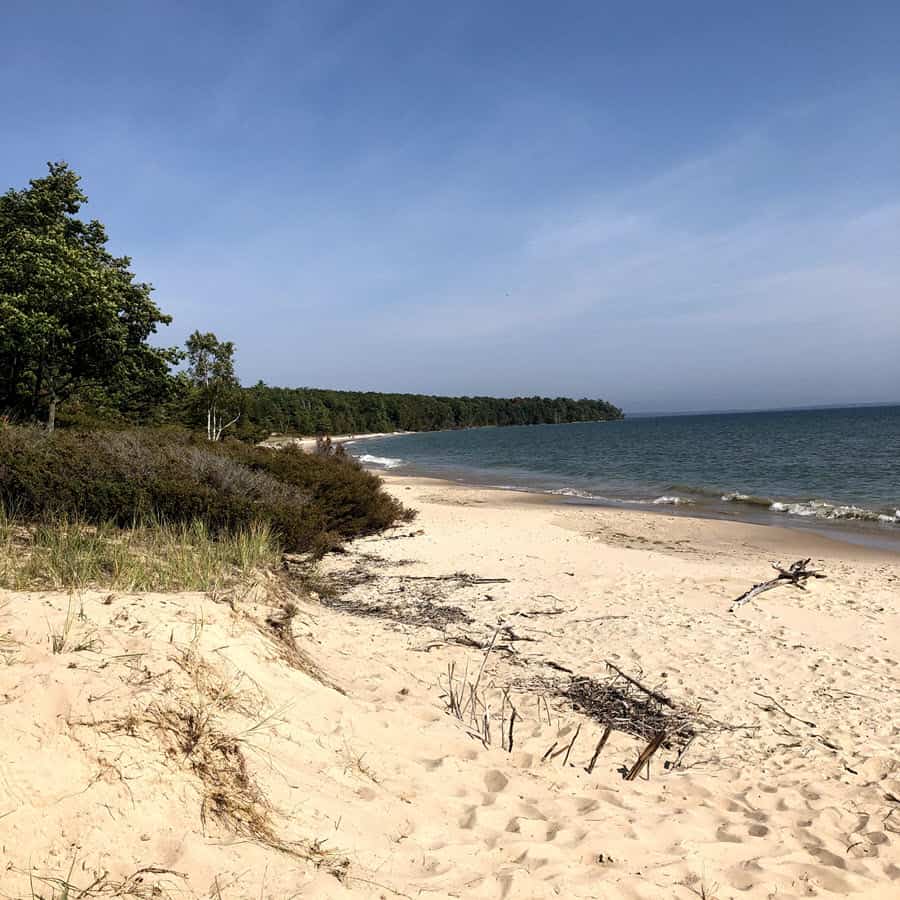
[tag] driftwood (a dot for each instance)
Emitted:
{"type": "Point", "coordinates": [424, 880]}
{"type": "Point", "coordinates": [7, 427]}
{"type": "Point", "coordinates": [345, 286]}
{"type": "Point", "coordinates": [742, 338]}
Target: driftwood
{"type": "Point", "coordinates": [644, 758]}
{"type": "Point", "coordinates": [796, 575]}
{"type": "Point", "coordinates": [600, 745]}
{"type": "Point", "coordinates": [572, 744]}
{"type": "Point", "coordinates": [659, 698]}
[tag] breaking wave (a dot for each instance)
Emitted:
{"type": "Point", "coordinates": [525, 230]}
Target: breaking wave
{"type": "Point", "coordinates": [386, 462]}
{"type": "Point", "coordinates": [750, 499]}
{"type": "Point", "coordinates": [820, 509]}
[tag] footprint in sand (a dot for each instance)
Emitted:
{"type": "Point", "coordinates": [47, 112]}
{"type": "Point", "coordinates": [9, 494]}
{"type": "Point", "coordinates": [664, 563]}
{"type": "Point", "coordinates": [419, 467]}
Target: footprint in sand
{"type": "Point", "coordinates": [495, 781]}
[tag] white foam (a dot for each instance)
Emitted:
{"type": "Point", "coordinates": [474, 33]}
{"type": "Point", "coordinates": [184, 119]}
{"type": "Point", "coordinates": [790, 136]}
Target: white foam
{"type": "Point", "coordinates": [385, 462]}
{"type": "Point", "coordinates": [822, 510]}
{"type": "Point", "coordinates": [670, 501]}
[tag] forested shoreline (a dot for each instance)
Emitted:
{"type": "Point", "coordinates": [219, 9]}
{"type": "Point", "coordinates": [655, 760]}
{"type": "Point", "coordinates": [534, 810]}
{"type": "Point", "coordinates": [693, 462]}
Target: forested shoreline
{"type": "Point", "coordinates": [310, 411]}
{"type": "Point", "coordinates": [75, 349]}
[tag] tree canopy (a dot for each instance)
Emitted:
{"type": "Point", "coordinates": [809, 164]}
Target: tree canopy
{"type": "Point", "coordinates": [72, 315]}
{"type": "Point", "coordinates": [313, 411]}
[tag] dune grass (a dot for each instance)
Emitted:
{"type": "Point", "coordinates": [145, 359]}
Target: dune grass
{"type": "Point", "coordinates": [151, 555]}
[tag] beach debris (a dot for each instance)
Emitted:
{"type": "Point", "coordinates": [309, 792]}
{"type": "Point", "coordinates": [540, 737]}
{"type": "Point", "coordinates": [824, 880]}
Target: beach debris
{"type": "Point", "coordinates": [778, 707]}
{"type": "Point", "coordinates": [644, 759]}
{"type": "Point", "coordinates": [422, 613]}
{"type": "Point", "coordinates": [599, 749]}
{"type": "Point", "coordinates": [796, 575]}
{"type": "Point", "coordinates": [622, 702]}
{"type": "Point", "coordinates": [464, 698]}
{"type": "Point", "coordinates": [512, 722]}
{"type": "Point", "coordinates": [572, 744]}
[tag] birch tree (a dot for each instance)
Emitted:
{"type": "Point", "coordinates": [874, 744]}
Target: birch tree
{"type": "Point", "coordinates": [211, 371]}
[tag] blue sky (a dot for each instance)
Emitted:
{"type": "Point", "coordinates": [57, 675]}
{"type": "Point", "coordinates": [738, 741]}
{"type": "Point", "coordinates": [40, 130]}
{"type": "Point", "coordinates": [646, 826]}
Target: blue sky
{"type": "Point", "coordinates": [669, 205]}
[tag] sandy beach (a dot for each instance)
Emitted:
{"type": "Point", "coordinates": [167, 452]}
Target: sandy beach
{"type": "Point", "coordinates": [308, 444]}
{"type": "Point", "coordinates": [328, 764]}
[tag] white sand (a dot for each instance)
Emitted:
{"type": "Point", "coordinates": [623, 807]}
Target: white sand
{"type": "Point", "coordinates": [382, 775]}
{"type": "Point", "coordinates": [309, 443]}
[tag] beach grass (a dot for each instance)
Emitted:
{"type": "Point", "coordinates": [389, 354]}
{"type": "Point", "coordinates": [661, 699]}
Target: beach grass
{"type": "Point", "coordinates": [150, 555]}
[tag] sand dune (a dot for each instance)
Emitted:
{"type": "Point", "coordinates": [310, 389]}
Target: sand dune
{"type": "Point", "coordinates": [182, 743]}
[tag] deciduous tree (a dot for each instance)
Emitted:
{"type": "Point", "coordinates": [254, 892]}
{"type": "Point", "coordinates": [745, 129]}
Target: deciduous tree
{"type": "Point", "coordinates": [71, 313]}
{"type": "Point", "coordinates": [211, 370]}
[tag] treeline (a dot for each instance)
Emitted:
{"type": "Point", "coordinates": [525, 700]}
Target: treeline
{"type": "Point", "coordinates": [75, 330]}
{"type": "Point", "coordinates": [313, 411]}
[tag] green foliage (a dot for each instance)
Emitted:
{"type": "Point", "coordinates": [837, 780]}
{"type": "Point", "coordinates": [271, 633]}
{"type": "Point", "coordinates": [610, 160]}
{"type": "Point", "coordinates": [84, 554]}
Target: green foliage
{"type": "Point", "coordinates": [127, 478]}
{"type": "Point", "coordinates": [313, 411]}
{"type": "Point", "coordinates": [211, 374]}
{"type": "Point", "coordinates": [71, 313]}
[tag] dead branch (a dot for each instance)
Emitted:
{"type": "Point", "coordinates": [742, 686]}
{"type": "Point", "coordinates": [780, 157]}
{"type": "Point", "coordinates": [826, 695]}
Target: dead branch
{"type": "Point", "coordinates": [600, 745]}
{"type": "Point", "coordinates": [777, 706]}
{"type": "Point", "coordinates": [659, 698]}
{"type": "Point", "coordinates": [572, 744]}
{"type": "Point", "coordinates": [644, 758]}
{"type": "Point", "coordinates": [796, 575]}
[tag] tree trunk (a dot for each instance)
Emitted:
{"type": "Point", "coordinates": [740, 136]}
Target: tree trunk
{"type": "Point", "coordinates": [51, 413]}
{"type": "Point", "coordinates": [36, 388]}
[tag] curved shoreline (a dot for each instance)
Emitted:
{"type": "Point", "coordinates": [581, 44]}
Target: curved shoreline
{"type": "Point", "coordinates": [816, 536]}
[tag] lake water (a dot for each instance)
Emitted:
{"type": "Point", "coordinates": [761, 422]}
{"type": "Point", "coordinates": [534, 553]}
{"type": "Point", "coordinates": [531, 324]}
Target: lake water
{"type": "Point", "coordinates": [834, 468]}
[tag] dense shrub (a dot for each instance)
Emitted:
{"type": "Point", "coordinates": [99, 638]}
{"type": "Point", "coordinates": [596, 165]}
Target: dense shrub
{"type": "Point", "coordinates": [310, 502]}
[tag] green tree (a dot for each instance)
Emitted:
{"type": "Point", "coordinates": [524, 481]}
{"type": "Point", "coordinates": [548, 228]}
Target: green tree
{"type": "Point", "coordinates": [211, 371]}
{"type": "Point", "coordinates": [71, 313]}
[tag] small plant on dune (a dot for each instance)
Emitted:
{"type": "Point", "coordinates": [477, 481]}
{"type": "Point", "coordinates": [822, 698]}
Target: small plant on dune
{"type": "Point", "coordinates": [65, 640]}
{"type": "Point", "coordinates": [59, 637]}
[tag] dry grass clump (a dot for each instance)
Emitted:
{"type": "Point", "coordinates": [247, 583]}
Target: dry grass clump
{"type": "Point", "coordinates": [149, 556]}
{"type": "Point", "coordinates": [147, 883]}
{"type": "Point", "coordinates": [278, 626]}
{"type": "Point", "coordinates": [228, 693]}
{"type": "Point", "coordinates": [189, 733]}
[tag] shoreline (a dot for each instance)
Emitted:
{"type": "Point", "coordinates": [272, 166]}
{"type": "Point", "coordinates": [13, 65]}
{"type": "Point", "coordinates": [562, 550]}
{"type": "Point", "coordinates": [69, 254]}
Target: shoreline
{"type": "Point", "coordinates": [814, 534]}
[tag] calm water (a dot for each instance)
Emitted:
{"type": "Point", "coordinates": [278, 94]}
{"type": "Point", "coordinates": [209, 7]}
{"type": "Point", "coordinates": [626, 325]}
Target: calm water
{"type": "Point", "coordinates": [836, 468]}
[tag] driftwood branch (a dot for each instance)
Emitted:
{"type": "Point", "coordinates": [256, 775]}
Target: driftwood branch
{"type": "Point", "coordinates": [644, 758]}
{"type": "Point", "coordinates": [600, 745]}
{"type": "Point", "coordinates": [659, 698]}
{"type": "Point", "coordinates": [796, 575]}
